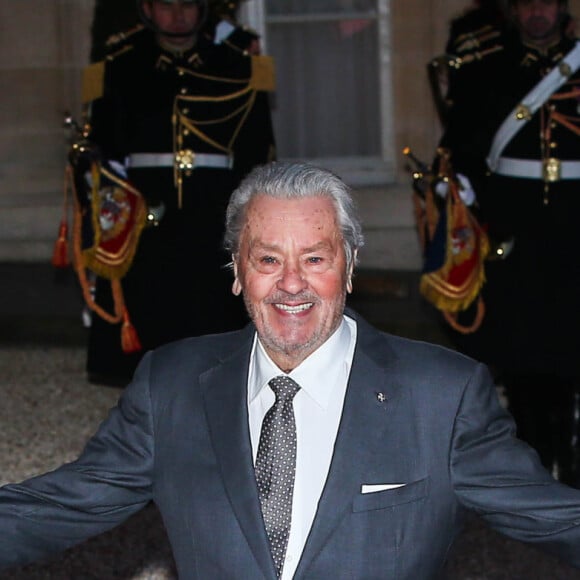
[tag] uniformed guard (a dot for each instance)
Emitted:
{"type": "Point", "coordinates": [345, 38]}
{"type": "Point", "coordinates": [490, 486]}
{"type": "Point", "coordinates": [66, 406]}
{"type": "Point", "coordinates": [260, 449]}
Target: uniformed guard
{"type": "Point", "coordinates": [514, 132]}
{"type": "Point", "coordinates": [187, 118]}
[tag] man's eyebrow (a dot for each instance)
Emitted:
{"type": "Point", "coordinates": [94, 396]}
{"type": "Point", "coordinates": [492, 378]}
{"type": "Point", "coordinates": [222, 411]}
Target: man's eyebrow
{"type": "Point", "coordinates": [322, 245]}
{"type": "Point", "coordinates": [262, 246]}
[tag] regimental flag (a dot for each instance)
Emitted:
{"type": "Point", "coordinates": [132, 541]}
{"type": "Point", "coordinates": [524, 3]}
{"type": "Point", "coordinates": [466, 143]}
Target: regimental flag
{"type": "Point", "coordinates": [454, 250]}
{"type": "Point", "coordinates": [109, 215]}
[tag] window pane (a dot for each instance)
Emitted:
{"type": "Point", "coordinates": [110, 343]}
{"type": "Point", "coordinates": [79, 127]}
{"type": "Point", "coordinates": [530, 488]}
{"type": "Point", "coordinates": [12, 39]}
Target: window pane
{"type": "Point", "coordinates": [326, 102]}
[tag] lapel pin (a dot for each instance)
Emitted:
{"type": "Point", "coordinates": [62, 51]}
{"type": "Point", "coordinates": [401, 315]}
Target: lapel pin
{"type": "Point", "coordinates": [381, 397]}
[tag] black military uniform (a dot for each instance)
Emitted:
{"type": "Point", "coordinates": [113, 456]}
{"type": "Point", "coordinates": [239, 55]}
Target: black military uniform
{"type": "Point", "coordinates": [188, 127]}
{"type": "Point", "coordinates": [530, 331]}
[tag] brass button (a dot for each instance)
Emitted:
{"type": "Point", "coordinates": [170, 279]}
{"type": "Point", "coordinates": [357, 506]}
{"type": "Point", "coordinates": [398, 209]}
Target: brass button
{"type": "Point", "coordinates": [552, 170]}
{"type": "Point", "coordinates": [523, 113]}
{"type": "Point", "coordinates": [185, 159]}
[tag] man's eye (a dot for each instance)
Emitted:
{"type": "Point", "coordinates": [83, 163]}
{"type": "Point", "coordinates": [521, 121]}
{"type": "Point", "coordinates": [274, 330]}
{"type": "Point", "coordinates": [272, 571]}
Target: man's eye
{"type": "Point", "coordinates": [315, 260]}
{"type": "Point", "coordinates": [268, 260]}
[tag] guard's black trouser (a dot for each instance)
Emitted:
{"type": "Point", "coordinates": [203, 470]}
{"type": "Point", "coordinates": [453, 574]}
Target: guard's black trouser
{"type": "Point", "coordinates": [547, 414]}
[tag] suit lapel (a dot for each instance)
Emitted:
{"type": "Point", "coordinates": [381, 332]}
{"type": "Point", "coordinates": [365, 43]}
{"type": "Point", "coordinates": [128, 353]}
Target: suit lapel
{"type": "Point", "coordinates": [225, 394]}
{"type": "Point", "coordinates": [364, 426]}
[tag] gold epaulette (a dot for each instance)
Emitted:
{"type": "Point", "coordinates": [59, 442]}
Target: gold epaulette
{"type": "Point", "coordinates": [93, 79]}
{"type": "Point", "coordinates": [263, 73]}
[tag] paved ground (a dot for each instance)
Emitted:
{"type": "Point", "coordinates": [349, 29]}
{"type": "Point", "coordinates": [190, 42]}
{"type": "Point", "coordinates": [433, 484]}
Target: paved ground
{"type": "Point", "coordinates": [48, 410]}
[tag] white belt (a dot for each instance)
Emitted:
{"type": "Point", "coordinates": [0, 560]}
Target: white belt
{"type": "Point", "coordinates": [535, 169]}
{"type": "Point", "coordinates": [183, 159]}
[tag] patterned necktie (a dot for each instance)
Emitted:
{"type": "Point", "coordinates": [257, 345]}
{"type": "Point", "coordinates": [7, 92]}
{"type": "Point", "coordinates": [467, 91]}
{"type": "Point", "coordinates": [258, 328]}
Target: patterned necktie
{"type": "Point", "coordinates": [276, 466]}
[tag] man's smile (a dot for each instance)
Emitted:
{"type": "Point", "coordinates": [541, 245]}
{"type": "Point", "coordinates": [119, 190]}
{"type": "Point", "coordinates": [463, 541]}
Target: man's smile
{"type": "Point", "coordinates": [294, 309]}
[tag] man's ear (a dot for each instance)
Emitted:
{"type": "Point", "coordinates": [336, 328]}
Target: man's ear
{"type": "Point", "coordinates": [350, 272]}
{"type": "Point", "coordinates": [236, 286]}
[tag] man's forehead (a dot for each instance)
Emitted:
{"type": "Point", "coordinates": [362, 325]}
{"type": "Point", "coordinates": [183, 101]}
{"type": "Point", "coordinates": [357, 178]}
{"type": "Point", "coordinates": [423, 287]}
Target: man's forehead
{"type": "Point", "coordinates": [270, 221]}
{"type": "Point", "coordinates": [303, 206]}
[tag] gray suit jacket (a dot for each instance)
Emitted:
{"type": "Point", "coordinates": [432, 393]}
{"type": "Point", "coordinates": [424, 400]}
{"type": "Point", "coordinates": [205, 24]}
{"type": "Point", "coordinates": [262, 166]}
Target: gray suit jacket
{"type": "Point", "coordinates": [180, 437]}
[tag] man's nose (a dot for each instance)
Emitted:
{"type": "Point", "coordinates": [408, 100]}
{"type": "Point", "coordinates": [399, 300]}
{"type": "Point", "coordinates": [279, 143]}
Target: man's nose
{"type": "Point", "coordinates": [178, 11]}
{"type": "Point", "coordinates": [292, 280]}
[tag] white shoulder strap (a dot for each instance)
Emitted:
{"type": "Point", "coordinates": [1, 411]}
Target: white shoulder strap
{"type": "Point", "coordinates": [532, 102]}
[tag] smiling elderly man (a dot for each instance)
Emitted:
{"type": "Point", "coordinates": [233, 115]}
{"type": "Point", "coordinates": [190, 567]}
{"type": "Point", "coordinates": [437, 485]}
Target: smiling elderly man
{"type": "Point", "coordinates": [309, 444]}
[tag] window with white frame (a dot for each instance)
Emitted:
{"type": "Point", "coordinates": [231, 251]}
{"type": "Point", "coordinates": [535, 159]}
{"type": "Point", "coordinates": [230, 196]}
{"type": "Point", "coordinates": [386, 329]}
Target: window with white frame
{"type": "Point", "coordinates": [333, 101]}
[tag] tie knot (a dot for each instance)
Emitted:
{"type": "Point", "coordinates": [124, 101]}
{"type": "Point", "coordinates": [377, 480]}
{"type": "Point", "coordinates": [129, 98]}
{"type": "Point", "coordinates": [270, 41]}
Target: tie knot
{"type": "Point", "coordinates": [284, 387]}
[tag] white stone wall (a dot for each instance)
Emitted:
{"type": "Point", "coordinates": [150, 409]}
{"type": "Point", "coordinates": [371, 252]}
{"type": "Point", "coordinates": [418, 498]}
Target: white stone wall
{"type": "Point", "coordinates": [43, 47]}
{"type": "Point", "coordinates": [391, 241]}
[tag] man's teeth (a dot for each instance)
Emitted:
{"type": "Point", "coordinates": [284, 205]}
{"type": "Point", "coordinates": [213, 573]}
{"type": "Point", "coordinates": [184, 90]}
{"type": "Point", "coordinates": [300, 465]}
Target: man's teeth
{"type": "Point", "coordinates": [294, 309]}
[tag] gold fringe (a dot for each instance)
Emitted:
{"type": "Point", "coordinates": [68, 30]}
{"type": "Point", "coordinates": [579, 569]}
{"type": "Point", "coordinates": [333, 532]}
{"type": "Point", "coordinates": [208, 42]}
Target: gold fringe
{"type": "Point", "coordinates": [60, 256]}
{"type": "Point", "coordinates": [129, 340]}
{"type": "Point", "coordinates": [60, 252]}
{"type": "Point", "coordinates": [449, 298]}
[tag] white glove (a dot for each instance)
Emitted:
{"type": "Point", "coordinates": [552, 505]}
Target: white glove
{"type": "Point", "coordinates": [466, 191]}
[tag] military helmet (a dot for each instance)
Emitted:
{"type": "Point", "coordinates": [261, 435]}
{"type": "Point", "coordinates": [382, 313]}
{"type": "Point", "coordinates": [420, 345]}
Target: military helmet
{"type": "Point", "coordinates": [203, 12]}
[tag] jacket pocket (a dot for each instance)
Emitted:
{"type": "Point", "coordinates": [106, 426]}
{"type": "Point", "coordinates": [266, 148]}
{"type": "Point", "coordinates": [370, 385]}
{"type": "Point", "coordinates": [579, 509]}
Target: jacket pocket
{"type": "Point", "coordinates": [410, 492]}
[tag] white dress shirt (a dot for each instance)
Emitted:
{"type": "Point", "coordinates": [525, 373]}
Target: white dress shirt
{"type": "Point", "coordinates": [322, 377]}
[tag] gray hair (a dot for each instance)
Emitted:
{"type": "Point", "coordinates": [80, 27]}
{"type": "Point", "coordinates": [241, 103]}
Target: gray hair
{"type": "Point", "coordinates": [294, 181]}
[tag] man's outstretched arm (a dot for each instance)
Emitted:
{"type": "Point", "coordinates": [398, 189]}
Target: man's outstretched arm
{"type": "Point", "coordinates": [109, 482]}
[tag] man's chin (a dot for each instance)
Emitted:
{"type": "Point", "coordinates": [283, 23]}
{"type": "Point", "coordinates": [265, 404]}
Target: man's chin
{"type": "Point", "coordinates": [177, 36]}
{"type": "Point", "coordinates": [290, 345]}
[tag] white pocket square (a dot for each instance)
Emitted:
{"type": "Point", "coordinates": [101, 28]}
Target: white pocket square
{"type": "Point", "coordinates": [374, 488]}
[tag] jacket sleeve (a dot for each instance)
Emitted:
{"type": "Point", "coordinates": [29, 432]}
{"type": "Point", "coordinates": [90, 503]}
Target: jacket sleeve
{"type": "Point", "coordinates": [502, 479]}
{"type": "Point", "coordinates": [109, 482]}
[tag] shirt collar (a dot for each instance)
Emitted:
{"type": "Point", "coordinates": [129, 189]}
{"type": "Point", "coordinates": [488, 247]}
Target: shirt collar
{"type": "Point", "coordinates": [318, 374]}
